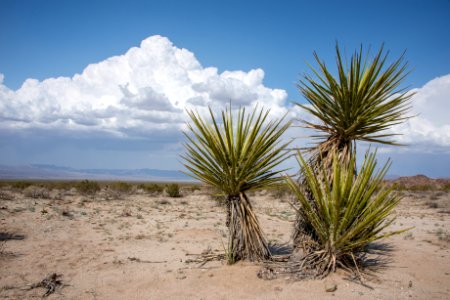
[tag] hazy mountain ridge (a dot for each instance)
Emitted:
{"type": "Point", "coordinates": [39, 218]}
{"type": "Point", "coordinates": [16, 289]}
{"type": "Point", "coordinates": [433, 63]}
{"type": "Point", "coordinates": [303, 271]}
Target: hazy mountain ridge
{"type": "Point", "coordinates": [53, 172]}
{"type": "Point", "coordinates": [43, 171]}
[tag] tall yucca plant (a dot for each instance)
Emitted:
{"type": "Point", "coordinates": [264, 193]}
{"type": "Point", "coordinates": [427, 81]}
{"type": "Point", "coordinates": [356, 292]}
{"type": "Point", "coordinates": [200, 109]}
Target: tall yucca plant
{"type": "Point", "coordinates": [347, 212]}
{"type": "Point", "coordinates": [359, 104]}
{"type": "Point", "coordinates": [236, 156]}
{"type": "Point", "coordinates": [363, 101]}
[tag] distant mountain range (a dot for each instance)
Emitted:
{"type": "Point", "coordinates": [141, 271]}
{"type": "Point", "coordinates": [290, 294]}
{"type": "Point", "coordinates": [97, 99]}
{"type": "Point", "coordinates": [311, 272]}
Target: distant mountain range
{"type": "Point", "coordinates": [51, 172]}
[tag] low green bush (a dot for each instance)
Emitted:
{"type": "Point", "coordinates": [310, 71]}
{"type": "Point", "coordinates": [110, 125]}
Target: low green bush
{"type": "Point", "coordinates": [87, 187]}
{"type": "Point", "coordinates": [21, 185]}
{"type": "Point", "coordinates": [151, 188]}
{"type": "Point", "coordinates": [173, 190]}
{"type": "Point", "coordinates": [122, 187]}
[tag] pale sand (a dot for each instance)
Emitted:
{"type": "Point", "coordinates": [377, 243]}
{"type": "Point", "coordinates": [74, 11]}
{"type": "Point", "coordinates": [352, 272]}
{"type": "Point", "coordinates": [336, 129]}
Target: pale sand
{"type": "Point", "coordinates": [91, 247]}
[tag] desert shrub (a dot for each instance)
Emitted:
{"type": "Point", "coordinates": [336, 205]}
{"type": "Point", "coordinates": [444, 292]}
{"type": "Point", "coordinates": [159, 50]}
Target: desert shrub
{"type": "Point", "coordinates": [443, 235]}
{"type": "Point", "coordinates": [36, 192]}
{"type": "Point", "coordinates": [4, 184]}
{"type": "Point", "coordinates": [280, 191]}
{"type": "Point", "coordinates": [346, 214]}
{"type": "Point", "coordinates": [121, 187]}
{"type": "Point", "coordinates": [398, 187]}
{"type": "Point", "coordinates": [413, 188]}
{"type": "Point", "coordinates": [21, 185]}
{"type": "Point", "coordinates": [432, 204]}
{"type": "Point", "coordinates": [61, 185]}
{"type": "Point", "coordinates": [87, 187]}
{"type": "Point", "coordinates": [152, 188]}
{"type": "Point", "coordinates": [219, 198]}
{"type": "Point", "coordinates": [420, 187]}
{"type": "Point", "coordinates": [5, 195]}
{"type": "Point", "coordinates": [173, 190]}
{"type": "Point", "coordinates": [194, 188]}
{"type": "Point", "coordinates": [163, 202]}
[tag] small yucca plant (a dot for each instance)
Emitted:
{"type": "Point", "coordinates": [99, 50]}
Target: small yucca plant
{"type": "Point", "coordinates": [347, 212]}
{"type": "Point", "coordinates": [235, 157]}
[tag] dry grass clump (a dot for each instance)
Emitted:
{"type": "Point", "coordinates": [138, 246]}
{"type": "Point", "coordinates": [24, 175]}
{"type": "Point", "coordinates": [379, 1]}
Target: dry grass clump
{"type": "Point", "coordinates": [151, 188]}
{"type": "Point", "coordinates": [118, 190]}
{"type": "Point", "coordinates": [280, 192]}
{"type": "Point", "coordinates": [88, 188]}
{"type": "Point", "coordinates": [36, 192]}
{"type": "Point", "coordinates": [6, 195]}
{"type": "Point", "coordinates": [443, 235]}
{"type": "Point", "coordinates": [20, 185]}
{"type": "Point", "coordinates": [173, 190]}
{"type": "Point", "coordinates": [414, 188]}
{"type": "Point", "coordinates": [193, 188]}
{"type": "Point", "coordinates": [121, 187]}
{"type": "Point", "coordinates": [163, 202]}
{"type": "Point", "coordinates": [219, 198]}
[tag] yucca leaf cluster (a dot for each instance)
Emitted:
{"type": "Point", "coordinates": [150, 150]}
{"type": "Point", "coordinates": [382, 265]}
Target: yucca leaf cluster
{"type": "Point", "coordinates": [348, 212]}
{"type": "Point", "coordinates": [360, 103]}
{"type": "Point", "coordinates": [236, 155]}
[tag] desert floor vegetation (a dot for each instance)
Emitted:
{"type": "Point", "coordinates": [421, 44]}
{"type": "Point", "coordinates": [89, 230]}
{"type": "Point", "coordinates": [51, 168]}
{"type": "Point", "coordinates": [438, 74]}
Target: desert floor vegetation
{"type": "Point", "coordinates": [141, 246]}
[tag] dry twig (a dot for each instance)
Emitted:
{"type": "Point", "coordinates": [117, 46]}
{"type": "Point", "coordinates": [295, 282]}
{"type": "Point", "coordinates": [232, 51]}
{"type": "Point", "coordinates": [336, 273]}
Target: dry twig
{"type": "Point", "coordinates": [51, 283]}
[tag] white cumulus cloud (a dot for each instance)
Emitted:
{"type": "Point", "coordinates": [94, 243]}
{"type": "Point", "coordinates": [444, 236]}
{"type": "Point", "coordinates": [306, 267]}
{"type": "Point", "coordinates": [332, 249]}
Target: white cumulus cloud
{"type": "Point", "coordinates": [429, 128]}
{"type": "Point", "coordinates": [142, 91]}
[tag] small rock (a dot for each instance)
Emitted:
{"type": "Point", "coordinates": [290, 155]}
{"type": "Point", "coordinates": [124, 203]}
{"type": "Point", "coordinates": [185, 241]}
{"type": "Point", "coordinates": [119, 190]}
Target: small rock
{"type": "Point", "coordinates": [267, 273]}
{"type": "Point", "coordinates": [410, 284]}
{"type": "Point", "coordinates": [330, 286]}
{"type": "Point", "coordinates": [181, 275]}
{"type": "Point", "coordinates": [278, 289]}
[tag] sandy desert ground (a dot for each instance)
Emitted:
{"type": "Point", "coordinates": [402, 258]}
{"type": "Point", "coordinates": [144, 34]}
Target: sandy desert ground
{"type": "Point", "coordinates": [136, 247]}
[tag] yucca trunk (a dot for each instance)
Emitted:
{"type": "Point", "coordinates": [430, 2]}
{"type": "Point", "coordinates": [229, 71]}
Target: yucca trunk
{"type": "Point", "coordinates": [246, 239]}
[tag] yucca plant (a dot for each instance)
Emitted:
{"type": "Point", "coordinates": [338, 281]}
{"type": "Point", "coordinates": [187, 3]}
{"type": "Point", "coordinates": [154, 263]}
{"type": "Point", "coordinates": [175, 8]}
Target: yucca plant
{"type": "Point", "coordinates": [237, 156]}
{"type": "Point", "coordinates": [359, 104]}
{"type": "Point", "coordinates": [347, 212]}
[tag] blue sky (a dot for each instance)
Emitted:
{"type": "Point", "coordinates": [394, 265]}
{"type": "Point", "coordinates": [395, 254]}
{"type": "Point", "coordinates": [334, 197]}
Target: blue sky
{"type": "Point", "coordinates": [97, 119]}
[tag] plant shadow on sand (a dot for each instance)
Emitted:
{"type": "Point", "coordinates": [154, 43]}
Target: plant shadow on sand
{"type": "Point", "coordinates": [280, 249]}
{"type": "Point", "coordinates": [7, 236]}
{"type": "Point", "coordinates": [378, 257]}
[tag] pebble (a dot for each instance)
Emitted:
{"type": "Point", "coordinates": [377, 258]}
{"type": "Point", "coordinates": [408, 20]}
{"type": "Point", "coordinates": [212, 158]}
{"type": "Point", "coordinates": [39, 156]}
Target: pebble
{"type": "Point", "coordinates": [330, 286]}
